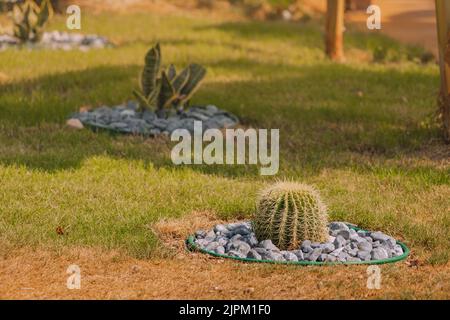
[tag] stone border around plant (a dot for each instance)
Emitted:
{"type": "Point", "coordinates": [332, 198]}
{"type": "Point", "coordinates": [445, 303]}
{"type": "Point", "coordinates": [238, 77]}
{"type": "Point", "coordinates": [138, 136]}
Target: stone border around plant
{"type": "Point", "coordinates": [127, 119]}
{"type": "Point", "coordinates": [58, 40]}
{"type": "Point", "coordinates": [192, 245]}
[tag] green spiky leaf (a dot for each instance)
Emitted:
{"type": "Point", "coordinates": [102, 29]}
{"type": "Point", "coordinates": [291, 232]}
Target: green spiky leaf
{"type": "Point", "coordinates": [29, 19]}
{"type": "Point", "coordinates": [146, 102]}
{"type": "Point", "coordinates": [45, 13]}
{"type": "Point", "coordinates": [167, 92]}
{"type": "Point", "coordinates": [196, 75]}
{"type": "Point", "coordinates": [143, 102]}
{"type": "Point", "coordinates": [181, 80]}
{"type": "Point", "coordinates": [26, 16]}
{"type": "Point", "coordinates": [171, 72]}
{"type": "Point", "coordinates": [20, 32]}
{"type": "Point", "coordinates": [151, 70]}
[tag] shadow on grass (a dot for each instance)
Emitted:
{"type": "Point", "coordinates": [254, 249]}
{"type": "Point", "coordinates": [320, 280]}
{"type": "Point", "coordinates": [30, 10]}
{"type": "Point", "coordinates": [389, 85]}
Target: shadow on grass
{"type": "Point", "coordinates": [326, 114]}
{"type": "Point", "coordinates": [305, 34]}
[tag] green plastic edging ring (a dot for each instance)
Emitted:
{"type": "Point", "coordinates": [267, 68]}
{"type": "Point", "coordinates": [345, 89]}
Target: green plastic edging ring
{"type": "Point", "coordinates": [192, 246]}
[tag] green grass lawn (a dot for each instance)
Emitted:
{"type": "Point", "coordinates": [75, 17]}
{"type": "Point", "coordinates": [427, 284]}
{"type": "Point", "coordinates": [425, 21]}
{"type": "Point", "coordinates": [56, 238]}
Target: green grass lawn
{"type": "Point", "coordinates": [357, 131]}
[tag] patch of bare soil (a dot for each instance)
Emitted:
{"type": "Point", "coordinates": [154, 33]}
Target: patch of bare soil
{"type": "Point", "coordinates": [42, 274]}
{"type": "Point", "coordinates": [221, 10]}
{"type": "Point", "coordinates": [409, 21]}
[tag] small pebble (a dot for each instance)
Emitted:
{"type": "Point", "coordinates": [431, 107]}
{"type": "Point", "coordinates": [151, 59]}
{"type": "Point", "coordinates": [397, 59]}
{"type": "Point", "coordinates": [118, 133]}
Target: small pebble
{"type": "Point", "coordinates": [238, 240]}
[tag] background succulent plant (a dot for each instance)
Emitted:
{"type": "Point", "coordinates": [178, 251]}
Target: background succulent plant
{"type": "Point", "coordinates": [29, 20]}
{"type": "Point", "coordinates": [167, 89]}
{"type": "Point", "coordinates": [288, 213]}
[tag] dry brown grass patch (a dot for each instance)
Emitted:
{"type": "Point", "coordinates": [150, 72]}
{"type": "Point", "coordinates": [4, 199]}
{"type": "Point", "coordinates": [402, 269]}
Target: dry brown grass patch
{"type": "Point", "coordinates": [40, 274]}
{"type": "Point", "coordinates": [173, 231]}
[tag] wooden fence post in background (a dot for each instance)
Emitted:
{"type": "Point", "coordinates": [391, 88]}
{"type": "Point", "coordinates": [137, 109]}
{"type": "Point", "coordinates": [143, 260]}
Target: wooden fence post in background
{"type": "Point", "coordinates": [334, 38]}
{"type": "Point", "coordinates": [443, 28]}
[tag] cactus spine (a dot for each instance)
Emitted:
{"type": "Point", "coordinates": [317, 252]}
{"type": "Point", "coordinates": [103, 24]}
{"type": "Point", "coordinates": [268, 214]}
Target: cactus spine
{"type": "Point", "coordinates": [29, 20]}
{"type": "Point", "coordinates": [168, 89]}
{"type": "Point", "coordinates": [288, 213]}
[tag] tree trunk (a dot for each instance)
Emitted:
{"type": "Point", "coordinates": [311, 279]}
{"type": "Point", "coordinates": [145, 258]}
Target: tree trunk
{"type": "Point", "coordinates": [357, 4]}
{"type": "Point", "coordinates": [443, 28]}
{"type": "Point", "coordinates": [334, 45]}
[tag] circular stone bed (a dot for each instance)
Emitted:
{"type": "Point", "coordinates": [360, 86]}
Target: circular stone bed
{"type": "Point", "coordinates": [127, 119]}
{"type": "Point", "coordinates": [347, 244]}
{"type": "Point", "coordinates": [58, 40]}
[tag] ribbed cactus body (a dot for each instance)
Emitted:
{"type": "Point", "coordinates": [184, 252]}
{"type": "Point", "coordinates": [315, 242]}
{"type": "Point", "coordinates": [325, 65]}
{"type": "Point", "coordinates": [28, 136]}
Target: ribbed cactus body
{"type": "Point", "coordinates": [288, 213]}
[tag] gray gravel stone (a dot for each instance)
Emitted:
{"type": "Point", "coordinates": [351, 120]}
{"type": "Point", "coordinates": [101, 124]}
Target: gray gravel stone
{"type": "Point", "coordinates": [222, 241]}
{"type": "Point", "coordinates": [242, 230]}
{"type": "Point", "coordinates": [389, 243]}
{"type": "Point", "coordinates": [212, 246]}
{"type": "Point", "coordinates": [299, 254]}
{"type": "Point", "coordinates": [344, 234]}
{"type": "Point", "coordinates": [221, 228]}
{"type": "Point", "coordinates": [337, 251]}
{"type": "Point", "coordinates": [339, 242]}
{"type": "Point", "coordinates": [251, 240]}
{"type": "Point", "coordinates": [314, 255]}
{"type": "Point", "coordinates": [379, 254]}
{"type": "Point", "coordinates": [289, 256]}
{"type": "Point", "coordinates": [212, 109]}
{"type": "Point", "coordinates": [239, 240]}
{"type": "Point", "coordinates": [210, 236]}
{"type": "Point", "coordinates": [330, 258]}
{"type": "Point", "coordinates": [352, 252]}
{"type": "Point", "coordinates": [200, 234]}
{"type": "Point", "coordinates": [336, 225]}
{"type": "Point", "coordinates": [253, 254]}
{"type": "Point", "coordinates": [267, 244]}
{"type": "Point", "coordinates": [379, 236]}
{"type": "Point", "coordinates": [261, 251]}
{"type": "Point", "coordinates": [328, 247]}
{"type": "Point", "coordinates": [365, 246]}
{"type": "Point", "coordinates": [305, 243]}
{"type": "Point", "coordinates": [160, 123]}
{"type": "Point", "coordinates": [353, 233]}
{"type": "Point", "coordinates": [241, 246]}
{"type": "Point", "coordinates": [307, 249]}
{"type": "Point", "coordinates": [235, 253]}
{"type": "Point", "coordinates": [363, 233]}
{"type": "Point", "coordinates": [273, 255]}
{"type": "Point", "coordinates": [147, 123]}
{"type": "Point", "coordinates": [148, 116]}
{"type": "Point", "coordinates": [315, 245]}
{"type": "Point", "coordinates": [398, 250]}
{"type": "Point", "coordinates": [236, 237]}
{"type": "Point", "coordinates": [57, 40]}
{"type": "Point", "coordinates": [343, 256]}
{"type": "Point", "coordinates": [118, 125]}
{"type": "Point", "coordinates": [202, 242]}
{"type": "Point", "coordinates": [220, 250]}
{"type": "Point", "coordinates": [354, 259]}
{"type": "Point", "coordinates": [198, 116]}
{"type": "Point", "coordinates": [364, 255]}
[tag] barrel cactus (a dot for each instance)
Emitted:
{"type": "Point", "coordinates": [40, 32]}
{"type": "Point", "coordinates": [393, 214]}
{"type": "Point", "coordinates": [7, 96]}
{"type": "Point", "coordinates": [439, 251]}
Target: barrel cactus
{"type": "Point", "coordinates": [167, 89]}
{"type": "Point", "coordinates": [288, 213]}
{"type": "Point", "coordinates": [29, 20]}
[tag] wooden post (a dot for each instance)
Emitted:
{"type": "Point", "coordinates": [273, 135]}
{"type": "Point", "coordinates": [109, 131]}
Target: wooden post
{"type": "Point", "coordinates": [443, 28]}
{"type": "Point", "coordinates": [334, 38]}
